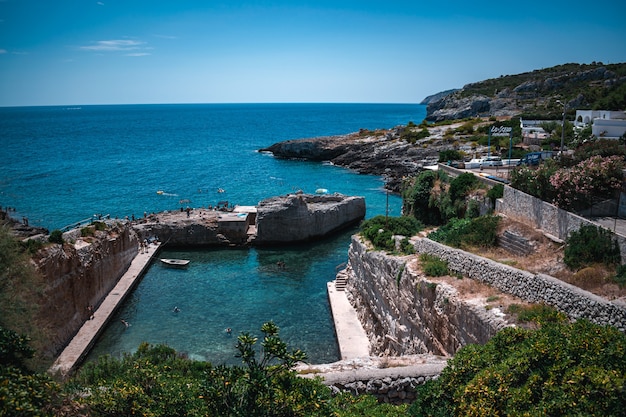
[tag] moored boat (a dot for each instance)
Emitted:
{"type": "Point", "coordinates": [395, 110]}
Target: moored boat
{"type": "Point", "coordinates": [176, 263]}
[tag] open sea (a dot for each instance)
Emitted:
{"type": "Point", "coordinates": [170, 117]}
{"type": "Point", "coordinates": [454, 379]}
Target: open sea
{"type": "Point", "coordinates": [60, 165]}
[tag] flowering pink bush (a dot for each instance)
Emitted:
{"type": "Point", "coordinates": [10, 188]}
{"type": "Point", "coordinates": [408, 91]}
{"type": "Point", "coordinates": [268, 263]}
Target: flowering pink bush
{"type": "Point", "coordinates": [596, 176]}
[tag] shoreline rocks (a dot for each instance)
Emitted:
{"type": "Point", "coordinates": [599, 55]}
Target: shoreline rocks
{"type": "Point", "coordinates": [381, 153]}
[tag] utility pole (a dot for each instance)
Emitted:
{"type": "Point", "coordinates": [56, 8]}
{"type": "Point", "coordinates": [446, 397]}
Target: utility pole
{"type": "Point", "coordinates": [563, 126]}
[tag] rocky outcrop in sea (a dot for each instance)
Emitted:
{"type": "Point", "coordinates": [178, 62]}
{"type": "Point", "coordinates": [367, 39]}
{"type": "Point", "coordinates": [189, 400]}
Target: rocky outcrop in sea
{"type": "Point", "coordinates": [382, 153]}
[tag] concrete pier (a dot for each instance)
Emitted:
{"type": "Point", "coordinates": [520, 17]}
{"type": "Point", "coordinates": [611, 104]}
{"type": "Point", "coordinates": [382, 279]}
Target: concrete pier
{"type": "Point", "coordinates": [82, 342]}
{"type": "Point", "coordinates": [351, 337]}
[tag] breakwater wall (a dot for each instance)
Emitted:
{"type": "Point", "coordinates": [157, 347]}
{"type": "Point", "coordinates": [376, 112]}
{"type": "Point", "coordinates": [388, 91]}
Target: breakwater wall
{"type": "Point", "coordinates": [535, 288]}
{"type": "Point", "coordinates": [405, 313]}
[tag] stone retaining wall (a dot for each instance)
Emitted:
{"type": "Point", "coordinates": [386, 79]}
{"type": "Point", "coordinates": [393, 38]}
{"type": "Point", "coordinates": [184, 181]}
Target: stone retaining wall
{"type": "Point", "coordinates": [400, 390]}
{"type": "Point", "coordinates": [536, 288]}
{"type": "Point", "coordinates": [405, 313]}
{"type": "Point", "coordinates": [395, 384]}
{"type": "Point", "coordinates": [545, 216]}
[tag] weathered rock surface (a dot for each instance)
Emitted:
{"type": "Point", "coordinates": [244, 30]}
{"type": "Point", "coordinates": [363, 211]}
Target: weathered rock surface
{"type": "Point", "coordinates": [532, 92]}
{"type": "Point", "coordinates": [80, 275]}
{"type": "Point", "coordinates": [376, 153]}
{"type": "Point", "coordinates": [304, 217]}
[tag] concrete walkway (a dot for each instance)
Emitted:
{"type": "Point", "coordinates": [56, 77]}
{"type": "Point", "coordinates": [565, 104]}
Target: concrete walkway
{"type": "Point", "coordinates": [82, 342]}
{"type": "Point", "coordinates": [351, 337]}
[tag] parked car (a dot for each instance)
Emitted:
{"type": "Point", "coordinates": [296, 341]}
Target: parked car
{"type": "Point", "coordinates": [491, 161]}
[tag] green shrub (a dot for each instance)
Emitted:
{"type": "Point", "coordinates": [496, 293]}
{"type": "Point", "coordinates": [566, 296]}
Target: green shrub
{"type": "Point", "coordinates": [462, 185]}
{"type": "Point", "coordinates": [495, 192]}
{"type": "Point", "coordinates": [380, 230]}
{"type": "Point", "coordinates": [560, 369]}
{"type": "Point", "coordinates": [416, 196]}
{"type": "Point", "coordinates": [31, 246]}
{"type": "Point", "coordinates": [99, 226]}
{"type": "Point", "coordinates": [22, 392]}
{"type": "Point", "coordinates": [620, 276]}
{"type": "Point", "coordinates": [156, 381]}
{"type": "Point", "coordinates": [473, 209]}
{"type": "Point", "coordinates": [481, 231]}
{"type": "Point", "coordinates": [87, 231]}
{"type": "Point", "coordinates": [450, 155]}
{"type": "Point", "coordinates": [591, 244]}
{"type": "Point", "coordinates": [434, 266]}
{"type": "Point", "coordinates": [56, 236]}
{"type": "Point", "coordinates": [540, 314]}
{"type": "Point", "coordinates": [536, 182]}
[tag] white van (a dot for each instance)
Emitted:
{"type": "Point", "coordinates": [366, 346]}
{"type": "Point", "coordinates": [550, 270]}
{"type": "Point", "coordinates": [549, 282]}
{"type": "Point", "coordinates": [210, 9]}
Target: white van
{"type": "Point", "coordinates": [491, 161]}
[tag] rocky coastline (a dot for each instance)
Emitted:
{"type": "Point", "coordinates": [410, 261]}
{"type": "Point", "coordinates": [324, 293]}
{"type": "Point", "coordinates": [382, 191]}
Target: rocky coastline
{"type": "Point", "coordinates": [381, 152]}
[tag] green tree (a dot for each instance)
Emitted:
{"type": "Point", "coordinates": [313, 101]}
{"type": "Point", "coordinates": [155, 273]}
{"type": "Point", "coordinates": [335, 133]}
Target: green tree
{"type": "Point", "coordinates": [560, 369]}
{"type": "Point", "coordinates": [416, 197]}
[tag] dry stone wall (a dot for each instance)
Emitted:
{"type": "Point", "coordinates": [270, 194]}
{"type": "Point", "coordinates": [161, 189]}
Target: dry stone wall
{"type": "Point", "coordinates": [536, 288]}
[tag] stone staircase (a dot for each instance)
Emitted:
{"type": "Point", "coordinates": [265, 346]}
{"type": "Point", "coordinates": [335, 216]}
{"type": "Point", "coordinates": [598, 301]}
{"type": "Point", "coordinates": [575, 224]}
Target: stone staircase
{"type": "Point", "coordinates": [341, 281]}
{"type": "Point", "coordinates": [515, 244]}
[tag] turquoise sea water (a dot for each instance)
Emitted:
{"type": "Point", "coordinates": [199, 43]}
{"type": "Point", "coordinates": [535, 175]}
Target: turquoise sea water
{"type": "Point", "coordinates": [61, 165]}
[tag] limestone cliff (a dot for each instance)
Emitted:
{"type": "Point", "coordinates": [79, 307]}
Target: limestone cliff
{"type": "Point", "coordinates": [404, 313]}
{"type": "Point", "coordinates": [304, 217]}
{"type": "Point", "coordinates": [79, 274]}
{"type": "Point", "coordinates": [533, 93]}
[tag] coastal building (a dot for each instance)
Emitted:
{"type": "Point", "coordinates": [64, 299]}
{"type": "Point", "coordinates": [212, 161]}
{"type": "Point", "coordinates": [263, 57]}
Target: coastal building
{"type": "Point", "coordinates": [604, 123]}
{"type": "Point", "coordinates": [532, 132]}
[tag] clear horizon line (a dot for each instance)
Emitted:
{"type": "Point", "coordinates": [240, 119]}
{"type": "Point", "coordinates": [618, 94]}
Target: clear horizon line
{"type": "Point", "coordinates": [209, 103]}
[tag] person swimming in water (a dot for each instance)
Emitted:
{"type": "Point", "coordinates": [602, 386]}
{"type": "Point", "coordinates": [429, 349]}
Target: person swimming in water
{"type": "Point", "coordinates": [125, 323]}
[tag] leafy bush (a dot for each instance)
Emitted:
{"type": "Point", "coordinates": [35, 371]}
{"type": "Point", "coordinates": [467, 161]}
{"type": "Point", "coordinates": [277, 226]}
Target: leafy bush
{"type": "Point", "coordinates": [594, 177]}
{"type": "Point", "coordinates": [560, 369]}
{"type": "Point", "coordinates": [462, 185]}
{"type": "Point", "coordinates": [620, 275]}
{"type": "Point", "coordinates": [591, 244]}
{"type": "Point", "coordinates": [22, 393]}
{"type": "Point", "coordinates": [380, 230]}
{"type": "Point", "coordinates": [87, 231]}
{"type": "Point", "coordinates": [540, 314]}
{"type": "Point", "coordinates": [480, 231]}
{"type": "Point", "coordinates": [450, 155]}
{"type": "Point", "coordinates": [56, 236]}
{"type": "Point", "coordinates": [416, 197]}
{"type": "Point", "coordinates": [434, 266]}
{"type": "Point", "coordinates": [535, 182]}
{"type": "Point", "coordinates": [156, 381]}
{"type": "Point", "coordinates": [495, 192]}
{"type": "Point", "coordinates": [100, 226]}
{"type": "Point", "coordinates": [31, 246]}
{"type": "Point", "coordinates": [413, 136]}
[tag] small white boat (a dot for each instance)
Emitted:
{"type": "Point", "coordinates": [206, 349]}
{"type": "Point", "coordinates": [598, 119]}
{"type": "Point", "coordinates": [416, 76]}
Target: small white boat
{"type": "Point", "coordinates": [321, 191]}
{"type": "Point", "coordinates": [176, 263]}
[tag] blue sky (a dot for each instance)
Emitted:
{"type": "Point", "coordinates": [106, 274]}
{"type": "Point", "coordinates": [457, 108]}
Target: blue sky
{"type": "Point", "coordinates": [71, 52]}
